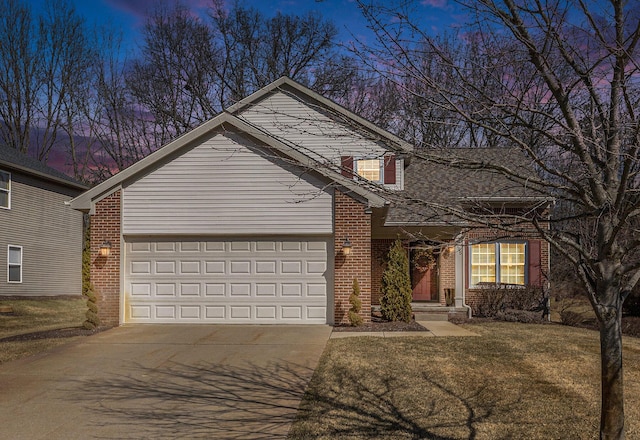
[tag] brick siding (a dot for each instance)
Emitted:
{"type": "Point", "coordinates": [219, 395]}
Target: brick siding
{"type": "Point", "coordinates": [351, 221]}
{"type": "Point", "coordinates": [472, 295]}
{"type": "Point", "coordinates": [446, 272]}
{"type": "Point", "coordinates": [105, 271]}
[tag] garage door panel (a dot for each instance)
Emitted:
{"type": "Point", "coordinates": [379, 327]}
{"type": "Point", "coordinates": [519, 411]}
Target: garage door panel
{"type": "Point", "coordinates": [265, 281]}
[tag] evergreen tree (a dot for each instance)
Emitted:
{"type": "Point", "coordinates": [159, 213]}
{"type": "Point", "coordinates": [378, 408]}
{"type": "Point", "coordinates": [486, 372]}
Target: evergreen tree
{"type": "Point", "coordinates": [356, 305]}
{"type": "Point", "coordinates": [396, 286]}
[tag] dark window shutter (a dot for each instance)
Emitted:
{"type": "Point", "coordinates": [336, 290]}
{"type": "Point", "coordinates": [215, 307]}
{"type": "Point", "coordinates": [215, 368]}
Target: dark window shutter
{"type": "Point", "coordinates": [535, 263]}
{"type": "Point", "coordinates": [390, 169]}
{"type": "Point", "coordinates": [347, 166]}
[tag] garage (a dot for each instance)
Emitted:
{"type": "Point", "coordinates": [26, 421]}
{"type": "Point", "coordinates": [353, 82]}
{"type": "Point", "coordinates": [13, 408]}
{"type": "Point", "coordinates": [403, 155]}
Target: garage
{"type": "Point", "coordinates": [206, 280]}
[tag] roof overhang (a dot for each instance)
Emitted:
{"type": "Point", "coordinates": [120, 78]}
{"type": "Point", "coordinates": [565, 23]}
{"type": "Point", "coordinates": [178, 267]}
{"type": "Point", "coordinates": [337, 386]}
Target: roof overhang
{"type": "Point", "coordinates": [30, 171]}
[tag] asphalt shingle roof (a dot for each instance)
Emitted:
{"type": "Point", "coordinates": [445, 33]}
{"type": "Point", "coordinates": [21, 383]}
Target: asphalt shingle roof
{"type": "Point", "coordinates": [429, 181]}
{"type": "Point", "coordinates": [12, 158]}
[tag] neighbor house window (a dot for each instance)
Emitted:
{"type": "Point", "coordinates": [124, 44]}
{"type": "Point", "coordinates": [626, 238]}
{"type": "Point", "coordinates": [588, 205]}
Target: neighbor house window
{"type": "Point", "coordinates": [370, 169]}
{"type": "Point", "coordinates": [14, 264]}
{"type": "Point", "coordinates": [5, 189]}
{"type": "Point", "coordinates": [503, 263]}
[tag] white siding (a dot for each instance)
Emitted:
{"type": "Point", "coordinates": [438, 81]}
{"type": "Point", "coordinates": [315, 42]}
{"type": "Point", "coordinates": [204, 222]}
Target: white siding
{"type": "Point", "coordinates": [207, 280]}
{"type": "Point", "coordinates": [226, 185]}
{"type": "Point", "coordinates": [317, 135]}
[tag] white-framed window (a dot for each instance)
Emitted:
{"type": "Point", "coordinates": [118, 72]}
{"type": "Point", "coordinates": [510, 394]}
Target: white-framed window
{"type": "Point", "coordinates": [370, 169]}
{"type": "Point", "coordinates": [5, 189]}
{"type": "Point", "coordinates": [503, 263]}
{"type": "Point", "coordinates": [14, 264]}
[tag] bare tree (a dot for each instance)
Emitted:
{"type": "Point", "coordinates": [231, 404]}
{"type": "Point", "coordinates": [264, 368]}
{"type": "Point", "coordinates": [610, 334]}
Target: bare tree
{"type": "Point", "coordinates": [560, 80]}
{"type": "Point", "coordinates": [173, 81]}
{"type": "Point", "coordinates": [18, 74]}
{"type": "Point", "coordinates": [257, 50]}
{"type": "Point", "coordinates": [43, 71]}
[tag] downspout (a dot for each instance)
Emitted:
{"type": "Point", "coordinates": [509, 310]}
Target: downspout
{"type": "Point", "coordinates": [460, 278]}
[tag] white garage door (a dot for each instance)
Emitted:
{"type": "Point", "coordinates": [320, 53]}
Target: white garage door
{"type": "Point", "coordinates": [234, 281]}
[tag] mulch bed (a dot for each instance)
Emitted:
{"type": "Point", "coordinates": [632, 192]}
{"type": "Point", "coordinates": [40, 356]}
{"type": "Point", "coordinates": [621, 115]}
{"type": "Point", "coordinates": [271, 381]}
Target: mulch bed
{"type": "Point", "coordinates": [378, 324]}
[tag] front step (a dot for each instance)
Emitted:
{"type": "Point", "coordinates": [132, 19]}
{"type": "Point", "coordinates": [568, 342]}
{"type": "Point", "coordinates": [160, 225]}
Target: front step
{"type": "Point", "coordinates": [430, 312]}
{"type": "Point", "coordinates": [427, 316]}
{"type": "Point", "coordinates": [436, 312]}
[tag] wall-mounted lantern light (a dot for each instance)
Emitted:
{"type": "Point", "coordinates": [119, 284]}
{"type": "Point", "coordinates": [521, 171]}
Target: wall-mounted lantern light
{"type": "Point", "coordinates": [346, 247]}
{"type": "Point", "coordinates": [105, 248]}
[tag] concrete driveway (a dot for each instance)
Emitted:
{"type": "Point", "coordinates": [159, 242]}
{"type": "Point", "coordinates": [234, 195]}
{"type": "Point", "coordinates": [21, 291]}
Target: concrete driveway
{"type": "Point", "coordinates": [162, 381]}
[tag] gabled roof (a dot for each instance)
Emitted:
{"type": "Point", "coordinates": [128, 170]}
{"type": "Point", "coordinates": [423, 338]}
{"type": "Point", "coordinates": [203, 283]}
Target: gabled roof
{"type": "Point", "coordinates": [222, 121]}
{"type": "Point", "coordinates": [438, 183]}
{"type": "Point", "coordinates": [288, 85]}
{"type": "Point", "coordinates": [12, 159]}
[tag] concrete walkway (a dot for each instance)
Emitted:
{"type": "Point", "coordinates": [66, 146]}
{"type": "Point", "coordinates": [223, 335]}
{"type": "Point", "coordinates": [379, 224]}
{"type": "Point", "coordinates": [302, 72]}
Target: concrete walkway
{"type": "Point", "coordinates": [435, 328]}
{"type": "Point", "coordinates": [163, 382]}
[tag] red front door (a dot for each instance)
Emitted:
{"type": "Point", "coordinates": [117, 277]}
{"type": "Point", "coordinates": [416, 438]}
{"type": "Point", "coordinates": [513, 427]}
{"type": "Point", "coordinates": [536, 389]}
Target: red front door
{"type": "Point", "coordinates": [424, 282]}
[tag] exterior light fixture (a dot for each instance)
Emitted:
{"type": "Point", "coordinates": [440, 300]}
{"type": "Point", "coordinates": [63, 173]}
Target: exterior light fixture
{"type": "Point", "coordinates": [346, 246]}
{"type": "Point", "coordinates": [105, 248]}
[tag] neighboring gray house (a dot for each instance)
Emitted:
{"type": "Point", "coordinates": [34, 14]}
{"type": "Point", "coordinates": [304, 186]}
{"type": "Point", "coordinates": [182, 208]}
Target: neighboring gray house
{"type": "Point", "coordinates": [40, 235]}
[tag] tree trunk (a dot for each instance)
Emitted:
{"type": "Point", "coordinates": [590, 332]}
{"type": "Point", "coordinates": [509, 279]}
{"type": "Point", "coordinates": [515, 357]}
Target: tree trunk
{"type": "Point", "coordinates": [612, 411]}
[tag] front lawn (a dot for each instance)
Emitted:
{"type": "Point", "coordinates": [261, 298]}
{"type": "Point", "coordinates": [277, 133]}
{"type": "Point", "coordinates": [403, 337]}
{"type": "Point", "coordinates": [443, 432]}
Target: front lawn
{"type": "Point", "coordinates": [515, 381]}
{"type": "Point", "coordinates": [37, 315]}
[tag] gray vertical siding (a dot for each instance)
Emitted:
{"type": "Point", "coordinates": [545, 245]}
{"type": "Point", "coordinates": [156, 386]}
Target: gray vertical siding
{"type": "Point", "coordinates": [50, 234]}
{"type": "Point", "coordinates": [227, 185]}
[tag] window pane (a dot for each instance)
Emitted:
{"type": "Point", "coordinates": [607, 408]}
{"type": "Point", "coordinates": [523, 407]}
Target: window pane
{"type": "Point", "coordinates": [4, 180]}
{"type": "Point", "coordinates": [369, 169]}
{"type": "Point", "coordinates": [14, 274]}
{"type": "Point", "coordinates": [483, 263]}
{"type": "Point", "coordinates": [4, 199]}
{"type": "Point", "coordinates": [512, 259]}
{"type": "Point", "coordinates": [15, 254]}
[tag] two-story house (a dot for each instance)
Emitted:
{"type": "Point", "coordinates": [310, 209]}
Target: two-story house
{"type": "Point", "coordinates": [267, 212]}
{"type": "Point", "coordinates": [40, 234]}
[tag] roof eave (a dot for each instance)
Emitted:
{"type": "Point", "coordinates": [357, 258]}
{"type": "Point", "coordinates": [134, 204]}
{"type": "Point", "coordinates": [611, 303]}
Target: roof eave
{"type": "Point", "coordinates": [45, 176]}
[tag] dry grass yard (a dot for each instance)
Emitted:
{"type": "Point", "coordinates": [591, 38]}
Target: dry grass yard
{"type": "Point", "coordinates": [38, 315]}
{"type": "Point", "coordinates": [515, 381]}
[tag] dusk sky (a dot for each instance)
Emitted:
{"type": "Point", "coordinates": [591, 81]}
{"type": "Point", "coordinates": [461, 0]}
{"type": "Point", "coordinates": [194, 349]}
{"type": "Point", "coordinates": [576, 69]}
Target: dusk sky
{"type": "Point", "coordinates": [129, 15]}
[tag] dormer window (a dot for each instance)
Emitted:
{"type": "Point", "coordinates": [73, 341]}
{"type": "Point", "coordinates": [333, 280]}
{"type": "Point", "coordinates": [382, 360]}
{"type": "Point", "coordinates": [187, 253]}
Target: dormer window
{"type": "Point", "coordinates": [377, 169]}
{"type": "Point", "coordinates": [5, 189]}
{"type": "Point", "coordinates": [370, 169]}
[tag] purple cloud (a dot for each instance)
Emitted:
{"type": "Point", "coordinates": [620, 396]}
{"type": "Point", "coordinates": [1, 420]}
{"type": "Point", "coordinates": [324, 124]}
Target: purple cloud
{"type": "Point", "coordinates": [442, 4]}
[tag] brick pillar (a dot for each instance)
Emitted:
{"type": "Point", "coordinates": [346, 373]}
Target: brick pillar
{"type": "Point", "coordinates": [447, 272]}
{"type": "Point", "coordinates": [351, 221]}
{"type": "Point", "coordinates": [105, 271]}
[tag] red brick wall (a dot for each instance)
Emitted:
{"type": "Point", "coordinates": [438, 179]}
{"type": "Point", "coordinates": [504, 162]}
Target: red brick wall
{"type": "Point", "coordinates": [471, 296]}
{"type": "Point", "coordinates": [446, 271]}
{"type": "Point", "coordinates": [105, 271]}
{"type": "Point", "coordinates": [351, 221]}
{"type": "Point", "coordinates": [379, 253]}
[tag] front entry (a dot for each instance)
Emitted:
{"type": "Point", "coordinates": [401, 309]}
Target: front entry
{"type": "Point", "coordinates": [424, 274]}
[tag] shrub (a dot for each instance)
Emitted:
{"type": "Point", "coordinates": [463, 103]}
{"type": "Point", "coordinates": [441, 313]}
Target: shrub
{"type": "Point", "coordinates": [356, 305]}
{"type": "Point", "coordinates": [506, 303]}
{"type": "Point", "coordinates": [631, 306]}
{"type": "Point", "coordinates": [92, 320]}
{"type": "Point", "coordinates": [571, 318]}
{"type": "Point", "coordinates": [395, 303]}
